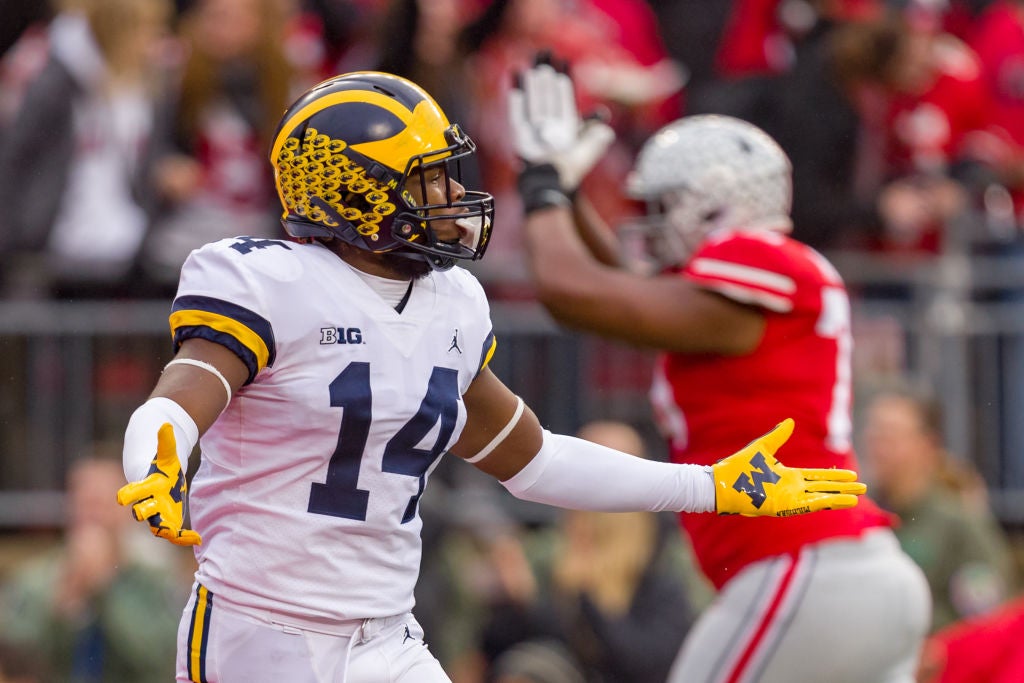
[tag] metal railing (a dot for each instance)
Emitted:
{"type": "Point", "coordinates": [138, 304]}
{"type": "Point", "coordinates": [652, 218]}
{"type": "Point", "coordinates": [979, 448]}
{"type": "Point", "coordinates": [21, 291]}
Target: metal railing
{"type": "Point", "coordinates": [71, 373]}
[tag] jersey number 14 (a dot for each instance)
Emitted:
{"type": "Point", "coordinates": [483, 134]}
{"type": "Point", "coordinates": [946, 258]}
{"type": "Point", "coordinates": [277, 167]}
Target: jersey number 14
{"type": "Point", "coordinates": [339, 495]}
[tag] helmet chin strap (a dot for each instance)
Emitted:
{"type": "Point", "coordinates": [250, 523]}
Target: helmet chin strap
{"type": "Point", "coordinates": [346, 232]}
{"type": "Point", "coordinates": [435, 261]}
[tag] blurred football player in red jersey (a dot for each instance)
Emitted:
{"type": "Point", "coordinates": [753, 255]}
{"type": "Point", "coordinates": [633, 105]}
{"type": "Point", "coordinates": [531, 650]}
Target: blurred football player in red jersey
{"type": "Point", "coordinates": [747, 320]}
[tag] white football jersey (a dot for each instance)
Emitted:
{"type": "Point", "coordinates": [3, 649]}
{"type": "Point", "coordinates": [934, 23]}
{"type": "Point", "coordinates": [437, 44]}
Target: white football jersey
{"type": "Point", "coordinates": [306, 495]}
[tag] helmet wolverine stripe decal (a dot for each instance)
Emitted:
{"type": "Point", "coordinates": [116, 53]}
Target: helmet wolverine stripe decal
{"type": "Point", "coordinates": [342, 158]}
{"type": "Point", "coordinates": [422, 126]}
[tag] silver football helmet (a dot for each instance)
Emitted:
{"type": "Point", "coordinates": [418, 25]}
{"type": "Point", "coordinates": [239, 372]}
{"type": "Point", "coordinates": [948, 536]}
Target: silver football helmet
{"type": "Point", "coordinates": [702, 173]}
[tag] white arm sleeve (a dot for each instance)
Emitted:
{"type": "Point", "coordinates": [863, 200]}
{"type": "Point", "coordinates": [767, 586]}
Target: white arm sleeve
{"type": "Point", "coordinates": [140, 436]}
{"type": "Point", "coordinates": [572, 473]}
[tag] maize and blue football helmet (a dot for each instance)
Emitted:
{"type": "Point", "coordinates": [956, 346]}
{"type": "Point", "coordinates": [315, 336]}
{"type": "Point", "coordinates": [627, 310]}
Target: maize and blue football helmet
{"type": "Point", "coordinates": [345, 153]}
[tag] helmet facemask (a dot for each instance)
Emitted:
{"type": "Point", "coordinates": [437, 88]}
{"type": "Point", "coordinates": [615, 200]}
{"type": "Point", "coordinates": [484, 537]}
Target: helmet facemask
{"type": "Point", "coordinates": [674, 226]}
{"type": "Point", "coordinates": [473, 212]}
{"type": "Point", "coordinates": [651, 243]}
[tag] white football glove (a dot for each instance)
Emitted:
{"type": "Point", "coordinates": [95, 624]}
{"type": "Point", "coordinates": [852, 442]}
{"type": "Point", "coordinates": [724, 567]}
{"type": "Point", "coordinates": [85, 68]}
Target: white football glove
{"type": "Point", "coordinates": [547, 128]}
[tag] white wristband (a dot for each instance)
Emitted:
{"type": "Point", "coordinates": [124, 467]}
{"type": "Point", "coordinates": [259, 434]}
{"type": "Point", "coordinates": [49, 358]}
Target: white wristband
{"type": "Point", "coordinates": [140, 435]}
{"type": "Point", "coordinates": [205, 366]}
{"type": "Point", "coordinates": [572, 473]}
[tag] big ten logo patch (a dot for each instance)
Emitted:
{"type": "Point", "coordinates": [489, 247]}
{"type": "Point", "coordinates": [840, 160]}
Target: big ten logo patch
{"type": "Point", "coordinates": [341, 335]}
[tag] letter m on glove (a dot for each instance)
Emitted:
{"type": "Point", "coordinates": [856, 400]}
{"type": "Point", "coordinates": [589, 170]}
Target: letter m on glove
{"type": "Point", "coordinates": [753, 484]}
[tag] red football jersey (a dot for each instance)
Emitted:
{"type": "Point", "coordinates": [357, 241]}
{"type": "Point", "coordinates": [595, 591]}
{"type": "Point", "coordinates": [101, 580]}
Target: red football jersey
{"type": "Point", "coordinates": [712, 405]}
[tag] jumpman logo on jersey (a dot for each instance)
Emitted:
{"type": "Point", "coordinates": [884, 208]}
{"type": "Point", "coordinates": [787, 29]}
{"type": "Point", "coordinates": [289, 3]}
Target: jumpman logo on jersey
{"type": "Point", "coordinates": [455, 342]}
{"type": "Point", "coordinates": [408, 635]}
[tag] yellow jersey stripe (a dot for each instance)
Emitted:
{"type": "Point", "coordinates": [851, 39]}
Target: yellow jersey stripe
{"type": "Point", "coordinates": [490, 345]}
{"type": "Point", "coordinates": [221, 323]}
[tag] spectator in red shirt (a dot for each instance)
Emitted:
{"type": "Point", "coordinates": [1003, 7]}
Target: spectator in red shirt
{"type": "Point", "coordinates": [998, 39]}
{"type": "Point", "coordinates": [921, 98]}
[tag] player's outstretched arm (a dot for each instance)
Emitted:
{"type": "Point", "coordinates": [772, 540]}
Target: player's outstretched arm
{"type": "Point", "coordinates": [193, 390]}
{"type": "Point", "coordinates": [580, 274]}
{"type": "Point", "coordinates": [504, 438]}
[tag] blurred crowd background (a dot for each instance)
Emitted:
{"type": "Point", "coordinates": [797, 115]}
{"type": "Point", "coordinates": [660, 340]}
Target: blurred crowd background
{"type": "Point", "coordinates": [132, 131]}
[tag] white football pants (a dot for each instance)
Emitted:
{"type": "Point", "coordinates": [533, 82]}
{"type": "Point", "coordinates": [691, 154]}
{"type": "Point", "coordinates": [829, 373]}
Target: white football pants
{"type": "Point", "coordinates": [843, 611]}
{"type": "Point", "coordinates": [218, 643]}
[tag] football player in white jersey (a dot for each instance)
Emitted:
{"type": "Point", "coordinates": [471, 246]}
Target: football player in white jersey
{"type": "Point", "coordinates": [328, 373]}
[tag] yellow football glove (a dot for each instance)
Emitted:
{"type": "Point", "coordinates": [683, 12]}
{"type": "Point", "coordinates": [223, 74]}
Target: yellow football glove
{"type": "Point", "coordinates": [160, 498]}
{"type": "Point", "coordinates": [753, 483]}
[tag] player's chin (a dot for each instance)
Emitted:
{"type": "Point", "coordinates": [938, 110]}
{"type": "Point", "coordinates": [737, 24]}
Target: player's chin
{"type": "Point", "coordinates": [411, 267]}
{"type": "Point", "coordinates": [448, 230]}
